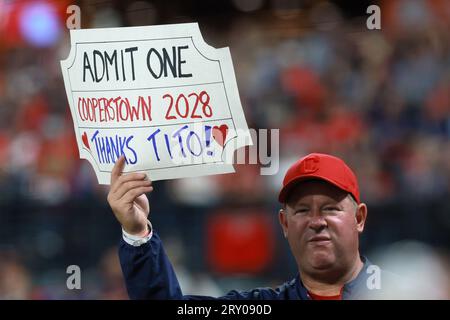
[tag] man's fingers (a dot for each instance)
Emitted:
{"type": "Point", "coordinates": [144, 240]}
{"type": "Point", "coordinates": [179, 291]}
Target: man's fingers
{"type": "Point", "coordinates": [129, 185]}
{"type": "Point", "coordinates": [117, 169]}
{"type": "Point", "coordinates": [132, 194]}
{"type": "Point", "coordinates": [127, 177]}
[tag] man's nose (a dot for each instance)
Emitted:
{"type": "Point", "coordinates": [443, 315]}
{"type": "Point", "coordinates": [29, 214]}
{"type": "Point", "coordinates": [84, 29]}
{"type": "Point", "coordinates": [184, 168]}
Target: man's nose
{"type": "Point", "coordinates": [317, 222]}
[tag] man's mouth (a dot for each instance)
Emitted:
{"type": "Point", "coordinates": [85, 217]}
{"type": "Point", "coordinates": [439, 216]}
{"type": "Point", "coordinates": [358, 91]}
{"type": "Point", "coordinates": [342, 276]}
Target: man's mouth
{"type": "Point", "coordinates": [320, 239]}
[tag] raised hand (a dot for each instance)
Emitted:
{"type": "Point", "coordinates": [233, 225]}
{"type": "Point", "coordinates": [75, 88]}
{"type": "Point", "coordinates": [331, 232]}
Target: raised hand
{"type": "Point", "coordinates": [128, 200]}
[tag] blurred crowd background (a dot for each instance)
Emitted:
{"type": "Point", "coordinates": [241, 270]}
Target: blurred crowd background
{"type": "Point", "coordinates": [378, 98]}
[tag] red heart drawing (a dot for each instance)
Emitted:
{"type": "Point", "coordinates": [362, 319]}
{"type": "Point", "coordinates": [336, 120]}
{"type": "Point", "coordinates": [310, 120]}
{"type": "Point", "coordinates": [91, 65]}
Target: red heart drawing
{"type": "Point", "coordinates": [84, 137]}
{"type": "Point", "coordinates": [220, 134]}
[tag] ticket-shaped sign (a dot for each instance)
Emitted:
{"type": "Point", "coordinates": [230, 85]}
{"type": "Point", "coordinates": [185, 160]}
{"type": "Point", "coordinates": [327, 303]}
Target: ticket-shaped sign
{"type": "Point", "coordinates": [159, 95]}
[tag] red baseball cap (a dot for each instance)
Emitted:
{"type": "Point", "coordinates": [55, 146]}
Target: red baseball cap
{"type": "Point", "coordinates": [320, 166]}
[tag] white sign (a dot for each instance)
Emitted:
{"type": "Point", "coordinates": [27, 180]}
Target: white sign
{"type": "Point", "coordinates": [158, 95]}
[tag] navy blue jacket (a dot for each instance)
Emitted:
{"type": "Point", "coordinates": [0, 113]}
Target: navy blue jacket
{"type": "Point", "coordinates": [149, 274]}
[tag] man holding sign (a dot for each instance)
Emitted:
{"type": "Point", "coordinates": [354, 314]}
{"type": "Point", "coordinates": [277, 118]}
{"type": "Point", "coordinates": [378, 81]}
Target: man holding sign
{"type": "Point", "coordinates": [157, 102]}
{"type": "Point", "coordinates": [321, 217]}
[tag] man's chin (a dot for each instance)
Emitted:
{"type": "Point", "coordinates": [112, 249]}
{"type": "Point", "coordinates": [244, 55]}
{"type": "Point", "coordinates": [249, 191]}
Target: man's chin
{"type": "Point", "coordinates": [322, 260]}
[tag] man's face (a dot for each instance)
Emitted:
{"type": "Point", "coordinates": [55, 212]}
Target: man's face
{"type": "Point", "coordinates": [322, 224]}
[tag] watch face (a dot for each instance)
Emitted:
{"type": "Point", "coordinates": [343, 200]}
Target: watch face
{"type": "Point", "coordinates": [137, 243]}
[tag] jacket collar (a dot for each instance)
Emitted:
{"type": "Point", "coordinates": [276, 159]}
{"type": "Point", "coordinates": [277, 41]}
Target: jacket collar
{"type": "Point", "coordinates": [351, 289]}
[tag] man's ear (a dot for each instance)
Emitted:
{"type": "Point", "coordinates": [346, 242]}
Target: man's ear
{"type": "Point", "coordinates": [361, 216]}
{"type": "Point", "coordinates": [283, 221]}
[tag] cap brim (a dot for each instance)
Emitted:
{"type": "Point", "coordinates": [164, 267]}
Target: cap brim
{"type": "Point", "coordinates": [284, 193]}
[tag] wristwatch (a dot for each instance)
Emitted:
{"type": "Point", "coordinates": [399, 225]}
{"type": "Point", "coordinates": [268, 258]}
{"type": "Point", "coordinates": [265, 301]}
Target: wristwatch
{"type": "Point", "coordinates": [137, 241]}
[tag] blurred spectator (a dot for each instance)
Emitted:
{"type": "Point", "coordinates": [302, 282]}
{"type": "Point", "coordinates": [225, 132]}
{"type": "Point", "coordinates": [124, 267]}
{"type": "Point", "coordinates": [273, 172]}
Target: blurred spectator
{"type": "Point", "coordinates": [423, 272]}
{"type": "Point", "coordinates": [113, 287]}
{"type": "Point", "coordinates": [15, 280]}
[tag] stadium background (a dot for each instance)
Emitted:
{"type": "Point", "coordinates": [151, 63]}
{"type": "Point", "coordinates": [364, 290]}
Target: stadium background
{"type": "Point", "coordinates": [378, 98]}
